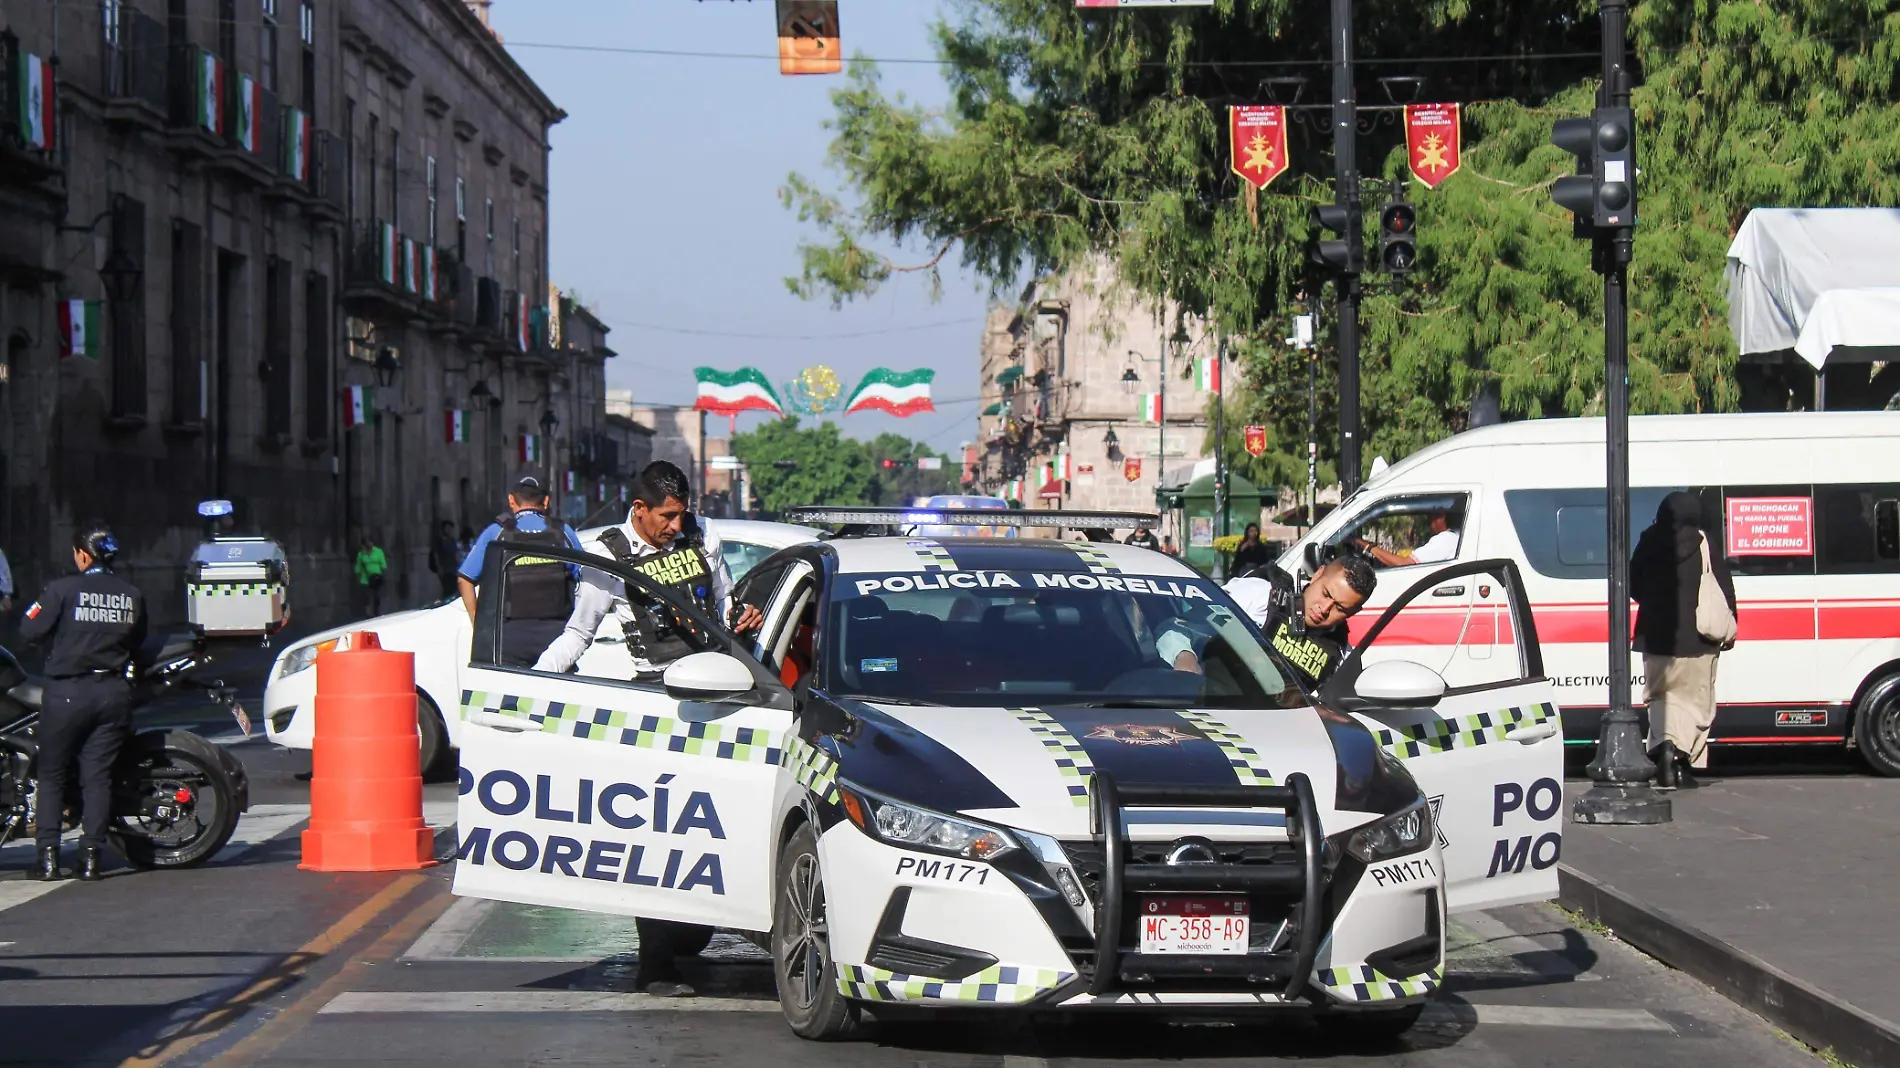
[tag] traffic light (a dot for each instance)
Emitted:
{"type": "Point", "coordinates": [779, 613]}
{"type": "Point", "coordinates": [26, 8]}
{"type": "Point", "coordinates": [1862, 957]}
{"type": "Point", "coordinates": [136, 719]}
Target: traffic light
{"type": "Point", "coordinates": [1338, 253]}
{"type": "Point", "coordinates": [1602, 194]}
{"type": "Point", "coordinates": [888, 464]}
{"type": "Point", "coordinates": [1398, 237]}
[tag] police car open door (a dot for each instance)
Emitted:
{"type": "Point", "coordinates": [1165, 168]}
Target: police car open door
{"type": "Point", "coordinates": [608, 791]}
{"type": "Point", "coordinates": [1488, 751]}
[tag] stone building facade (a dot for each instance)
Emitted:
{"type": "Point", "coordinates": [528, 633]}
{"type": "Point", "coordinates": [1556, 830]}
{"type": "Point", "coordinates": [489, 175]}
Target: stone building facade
{"type": "Point", "coordinates": [287, 252]}
{"type": "Point", "coordinates": [1063, 373]}
{"type": "Point", "coordinates": [682, 435]}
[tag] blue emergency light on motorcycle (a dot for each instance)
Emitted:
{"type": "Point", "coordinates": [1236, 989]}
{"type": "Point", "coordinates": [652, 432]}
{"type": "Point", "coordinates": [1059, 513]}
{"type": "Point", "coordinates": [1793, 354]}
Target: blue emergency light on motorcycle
{"type": "Point", "coordinates": [214, 509]}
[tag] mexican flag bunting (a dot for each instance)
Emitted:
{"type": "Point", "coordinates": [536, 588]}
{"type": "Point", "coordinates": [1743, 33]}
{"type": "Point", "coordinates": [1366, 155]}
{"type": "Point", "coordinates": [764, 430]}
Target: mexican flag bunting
{"type": "Point", "coordinates": [296, 144]}
{"type": "Point", "coordinates": [36, 95]}
{"type": "Point", "coordinates": [411, 269]}
{"type": "Point", "coordinates": [732, 392]}
{"type": "Point", "coordinates": [386, 252]}
{"type": "Point", "coordinates": [79, 327]}
{"type": "Point", "coordinates": [1207, 374]}
{"type": "Point", "coordinates": [523, 325]}
{"type": "Point", "coordinates": [208, 92]}
{"type": "Point", "coordinates": [250, 113]}
{"type": "Point", "coordinates": [428, 273]}
{"type": "Point", "coordinates": [530, 449]}
{"type": "Point", "coordinates": [898, 393]}
{"type": "Point", "coordinates": [1065, 467]}
{"type": "Point", "coordinates": [356, 406]}
{"type": "Point", "coordinates": [568, 485]}
{"type": "Point", "coordinates": [455, 424]}
{"type": "Point", "coordinates": [1149, 411]}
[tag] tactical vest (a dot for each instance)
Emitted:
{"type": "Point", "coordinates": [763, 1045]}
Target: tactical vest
{"type": "Point", "coordinates": [657, 634]}
{"type": "Point", "coordinates": [535, 587]}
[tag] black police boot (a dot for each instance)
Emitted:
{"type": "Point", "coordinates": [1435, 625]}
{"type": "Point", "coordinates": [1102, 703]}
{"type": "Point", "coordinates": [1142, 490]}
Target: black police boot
{"type": "Point", "coordinates": [89, 864]}
{"type": "Point", "coordinates": [1665, 758]}
{"type": "Point", "coordinates": [48, 870]}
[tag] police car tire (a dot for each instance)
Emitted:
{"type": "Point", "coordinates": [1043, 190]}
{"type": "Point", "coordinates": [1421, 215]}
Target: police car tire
{"type": "Point", "coordinates": [1368, 1026]}
{"type": "Point", "coordinates": [828, 1015]}
{"type": "Point", "coordinates": [433, 737]}
{"type": "Point", "coordinates": [1877, 726]}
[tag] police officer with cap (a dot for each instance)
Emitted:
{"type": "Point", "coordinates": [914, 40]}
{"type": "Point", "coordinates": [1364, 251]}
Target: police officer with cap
{"type": "Point", "coordinates": [1308, 630]}
{"type": "Point", "coordinates": [664, 541]}
{"type": "Point", "coordinates": [539, 591]}
{"type": "Point", "coordinates": [95, 622]}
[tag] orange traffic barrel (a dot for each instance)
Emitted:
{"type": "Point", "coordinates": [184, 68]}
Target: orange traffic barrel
{"type": "Point", "coordinates": [366, 774]}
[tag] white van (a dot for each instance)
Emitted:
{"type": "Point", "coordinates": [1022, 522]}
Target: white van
{"type": "Point", "coordinates": [1805, 505]}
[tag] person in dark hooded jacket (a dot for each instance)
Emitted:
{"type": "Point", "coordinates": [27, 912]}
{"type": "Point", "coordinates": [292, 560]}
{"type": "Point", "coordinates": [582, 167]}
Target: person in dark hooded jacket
{"type": "Point", "coordinates": [1678, 663]}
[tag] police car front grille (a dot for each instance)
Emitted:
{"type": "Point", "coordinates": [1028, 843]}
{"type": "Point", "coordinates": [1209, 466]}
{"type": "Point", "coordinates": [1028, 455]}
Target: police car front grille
{"type": "Point", "coordinates": [1086, 857]}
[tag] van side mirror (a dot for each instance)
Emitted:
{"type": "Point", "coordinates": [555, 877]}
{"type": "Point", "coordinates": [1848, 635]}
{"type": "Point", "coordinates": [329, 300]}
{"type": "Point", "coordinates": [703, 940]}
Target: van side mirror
{"type": "Point", "coordinates": [1315, 557]}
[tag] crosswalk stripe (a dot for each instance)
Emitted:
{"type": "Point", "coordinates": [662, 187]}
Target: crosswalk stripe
{"type": "Point", "coordinates": [446, 935]}
{"type": "Point", "coordinates": [493, 1001]}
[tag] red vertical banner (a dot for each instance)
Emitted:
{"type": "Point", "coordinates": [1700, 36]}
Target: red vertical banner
{"type": "Point", "coordinates": [1257, 140]}
{"type": "Point", "coordinates": [1256, 440]}
{"type": "Point", "coordinates": [1432, 142]}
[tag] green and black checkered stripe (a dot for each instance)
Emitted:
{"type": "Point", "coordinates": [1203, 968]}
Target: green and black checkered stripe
{"type": "Point", "coordinates": [1001, 984]}
{"type": "Point", "coordinates": [1246, 761]}
{"type": "Point", "coordinates": [934, 556]}
{"type": "Point", "coordinates": [1072, 761]}
{"type": "Point", "coordinates": [1362, 982]}
{"type": "Point", "coordinates": [813, 768]}
{"type": "Point", "coordinates": [232, 589]}
{"type": "Point", "coordinates": [1462, 732]}
{"type": "Point", "coordinates": [1099, 562]}
{"type": "Point", "coordinates": [720, 741]}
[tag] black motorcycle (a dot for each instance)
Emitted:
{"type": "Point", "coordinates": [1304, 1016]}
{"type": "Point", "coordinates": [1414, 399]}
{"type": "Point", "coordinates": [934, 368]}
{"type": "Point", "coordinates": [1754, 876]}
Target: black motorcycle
{"type": "Point", "coordinates": [176, 798]}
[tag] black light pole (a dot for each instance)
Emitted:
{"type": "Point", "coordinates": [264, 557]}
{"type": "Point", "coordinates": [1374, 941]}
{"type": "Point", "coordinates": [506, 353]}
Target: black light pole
{"type": "Point", "coordinates": [1220, 455]}
{"type": "Point", "coordinates": [1621, 771]}
{"type": "Point", "coordinates": [1346, 197]}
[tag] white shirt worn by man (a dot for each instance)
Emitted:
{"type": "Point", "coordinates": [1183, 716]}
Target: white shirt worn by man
{"type": "Point", "coordinates": [1254, 596]}
{"type": "Point", "coordinates": [1437, 549]}
{"type": "Point", "coordinates": [599, 593]}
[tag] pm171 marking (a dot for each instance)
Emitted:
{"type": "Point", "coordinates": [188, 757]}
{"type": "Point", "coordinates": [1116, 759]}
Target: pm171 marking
{"type": "Point", "coordinates": [1398, 873]}
{"type": "Point", "coordinates": [950, 871]}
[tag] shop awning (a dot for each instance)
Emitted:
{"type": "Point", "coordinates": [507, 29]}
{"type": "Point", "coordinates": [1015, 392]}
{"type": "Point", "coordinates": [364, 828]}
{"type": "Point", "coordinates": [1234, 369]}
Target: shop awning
{"type": "Point", "coordinates": [1009, 374]}
{"type": "Point", "coordinates": [994, 409]}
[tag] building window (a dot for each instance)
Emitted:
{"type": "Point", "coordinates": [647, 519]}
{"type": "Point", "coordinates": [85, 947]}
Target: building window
{"type": "Point", "coordinates": [316, 357]}
{"type": "Point", "coordinates": [227, 30]}
{"type": "Point", "coordinates": [461, 218]}
{"type": "Point", "coordinates": [429, 166]}
{"type": "Point", "coordinates": [276, 368]}
{"type": "Point", "coordinates": [307, 31]}
{"type": "Point", "coordinates": [307, 23]}
{"type": "Point", "coordinates": [177, 22]}
{"type": "Point", "coordinates": [488, 253]}
{"type": "Point", "coordinates": [395, 172]}
{"type": "Point", "coordinates": [125, 324]}
{"type": "Point", "coordinates": [187, 307]}
{"type": "Point", "coordinates": [267, 44]}
{"type": "Point", "coordinates": [109, 11]}
{"type": "Point", "coordinates": [375, 135]}
{"type": "Point", "coordinates": [514, 226]}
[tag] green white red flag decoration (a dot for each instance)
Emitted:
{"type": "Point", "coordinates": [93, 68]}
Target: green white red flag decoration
{"type": "Point", "coordinates": [429, 290]}
{"type": "Point", "coordinates": [732, 392]}
{"type": "Point", "coordinates": [1207, 374]}
{"type": "Point", "coordinates": [411, 267]}
{"type": "Point", "coordinates": [899, 393]}
{"type": "Point", "coordinates": [37, 98]}
{"type": "Point", "coordinates": [79, 327]}
{"type": "Point", "coordinates": [1432, 142]}
{"type": "Point", "coordinates": [250, 113]}
{"type": "Point", "coordinates": [530, 449]}
{"type": "Point", "coordinates": [1149, 410]}
{"type": "Point", "coordinates": [208, 92]}
{"type": "Point", "coordinates": [455, 425]}
{"type": "Point", "coordinates": [296, 144]}
{"type": "Point", "coordinates": [356, 406]}
{"type": "Point", "coordinates": [387, 252]}
{"type": "Point", "coordinates": [1256, 137]}
{"type": "Point", "coordinates": [524, 327]}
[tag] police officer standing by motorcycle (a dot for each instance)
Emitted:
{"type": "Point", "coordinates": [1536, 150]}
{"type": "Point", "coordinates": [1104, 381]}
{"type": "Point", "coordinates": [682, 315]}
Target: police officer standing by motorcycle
{"type": "Point", "coordinates": [94, 622]}
{"type": "Point", "coordinates": [539, 591]}
{"type": "Point", "coordinates": [664, 541]}
{"type": "Point", "coordinates": [1307, 628]}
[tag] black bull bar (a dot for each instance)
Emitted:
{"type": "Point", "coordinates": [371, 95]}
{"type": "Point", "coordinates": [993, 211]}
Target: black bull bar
{"type": "Point", "coordinates": [1107, 800]}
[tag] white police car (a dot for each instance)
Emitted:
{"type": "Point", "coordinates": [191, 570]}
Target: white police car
{"type": "Point", "coordinates": [984, 772]}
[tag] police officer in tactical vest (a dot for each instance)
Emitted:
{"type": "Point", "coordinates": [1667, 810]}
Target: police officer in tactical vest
{"type": "Point", "coordinates": [538, 593]}
{"type": "Point", "coordinates": [94, 622]}
{"type": "Point", "coordinates": [664, 541]}
{"type": "Point", "coordinates": [1307, 629]}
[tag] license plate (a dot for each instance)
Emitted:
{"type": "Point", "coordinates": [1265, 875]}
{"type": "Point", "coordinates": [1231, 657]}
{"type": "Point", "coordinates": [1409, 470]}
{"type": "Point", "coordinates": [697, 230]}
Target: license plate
{"type": "Point", "coordinates": [243, 718]}
{"type": "Point", "coordinates": [1178, 923]}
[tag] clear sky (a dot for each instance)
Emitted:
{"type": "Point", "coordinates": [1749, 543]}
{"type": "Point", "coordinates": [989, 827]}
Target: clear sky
{"type": "Point", "coordinates": [665, 209]}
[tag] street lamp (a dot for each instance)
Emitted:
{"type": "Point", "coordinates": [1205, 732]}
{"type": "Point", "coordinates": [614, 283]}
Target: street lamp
{"type": "Point", "coordinates": [386, 366]}
{"type": "Point", "coordinates": [1110, 443]}
{"type": "Point", "coordinates": [481, 393]}
{"type": "Point", "coordinates": [1131, 382]}
{"type": "Point", "coordinates": [121, 275]}
{"type": "Point", "coordinates": [548, 422]}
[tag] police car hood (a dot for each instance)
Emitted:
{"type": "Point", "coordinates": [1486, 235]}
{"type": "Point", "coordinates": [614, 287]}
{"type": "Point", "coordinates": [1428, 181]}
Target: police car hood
{"type": "Point", "coordinates": [1030, 768]}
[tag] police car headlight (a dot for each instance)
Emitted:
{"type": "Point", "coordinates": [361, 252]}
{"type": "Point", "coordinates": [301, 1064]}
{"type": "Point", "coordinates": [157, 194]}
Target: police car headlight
{"type": "Point", "coordinates": [302, 657]}
{"type": "Point", "coordinates": [1405, 831]}
{"type": "Point", "coordinates": [915, 828]}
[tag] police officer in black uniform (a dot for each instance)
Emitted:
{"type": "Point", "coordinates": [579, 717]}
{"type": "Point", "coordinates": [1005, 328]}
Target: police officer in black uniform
{"type": "Point", "coordinates": [1307, 628]}
{"type": "Point", "coordinates": [538, 593]}
{"type": "Point", "coordinates": [95, 621]}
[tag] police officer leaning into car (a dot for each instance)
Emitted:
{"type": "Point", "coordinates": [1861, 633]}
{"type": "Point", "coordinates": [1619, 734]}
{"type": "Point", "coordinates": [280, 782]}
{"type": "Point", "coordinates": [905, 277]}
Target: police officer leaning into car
{"type": "Point", "coordinates": [94, 622]}
{"type": "Point", "coordinates": [539, 592]}
{"type": "Point", "coordinates": [1307, 630]}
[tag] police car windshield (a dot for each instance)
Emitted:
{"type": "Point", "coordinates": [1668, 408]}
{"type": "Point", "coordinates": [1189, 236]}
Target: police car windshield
{"type": "Point", "coordinates": [977, 638]}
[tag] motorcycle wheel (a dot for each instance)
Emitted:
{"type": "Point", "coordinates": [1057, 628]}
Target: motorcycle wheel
{"type": "Point", "coordinates": [157, 769]}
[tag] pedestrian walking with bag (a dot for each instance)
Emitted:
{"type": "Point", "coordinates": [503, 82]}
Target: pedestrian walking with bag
{"type": "Point", "coordinates": [1686, 620]}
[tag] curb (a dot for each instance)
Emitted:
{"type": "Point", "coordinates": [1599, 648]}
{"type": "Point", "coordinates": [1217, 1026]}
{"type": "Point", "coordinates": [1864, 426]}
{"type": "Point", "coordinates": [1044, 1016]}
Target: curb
{"type": "Point", "coordinates": [1819, 1019]}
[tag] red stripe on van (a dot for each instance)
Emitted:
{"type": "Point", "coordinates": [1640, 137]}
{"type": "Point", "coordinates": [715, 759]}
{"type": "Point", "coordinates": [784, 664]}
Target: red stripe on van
{"type": "Point", "coordinates": [1574, 624]}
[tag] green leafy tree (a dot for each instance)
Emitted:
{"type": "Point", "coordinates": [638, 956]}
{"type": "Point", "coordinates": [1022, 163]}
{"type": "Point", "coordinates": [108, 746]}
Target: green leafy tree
{"type": "Point", "coordinates": [1072, 135]}
{"type": "Point", "coordinates": [792, 465]}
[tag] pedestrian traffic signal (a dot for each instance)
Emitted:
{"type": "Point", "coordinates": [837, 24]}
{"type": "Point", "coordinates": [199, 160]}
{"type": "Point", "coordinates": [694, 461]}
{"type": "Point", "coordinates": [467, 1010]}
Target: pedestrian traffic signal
{"type": "Point", "coordinates": [1398, 237]}
{"type": "Point", "coordinates": [1341, 253]}
{"type": "Point", "coordinates": [1602, 194]}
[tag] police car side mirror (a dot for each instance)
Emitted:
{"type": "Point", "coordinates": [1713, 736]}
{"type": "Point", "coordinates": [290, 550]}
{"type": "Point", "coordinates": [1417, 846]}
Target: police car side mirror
{"type": "Point", "coordinates": [1399, 684]}
{"type": "Point", "coordinates": [1315, 557]}
{"type": "Point", "coordinates": [707, 676]}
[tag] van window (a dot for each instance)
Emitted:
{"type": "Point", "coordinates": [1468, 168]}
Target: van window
{"type": "Point", "coordinates": [1858, 529]}
{"type": "Point", "coordinates": [1404, 524]}
{"type": "Point", "coordinates": [1562, 530]}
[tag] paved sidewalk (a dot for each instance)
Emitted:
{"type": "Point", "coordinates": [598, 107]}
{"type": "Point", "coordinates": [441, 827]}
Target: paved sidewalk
{"type": "Point", "coordinates": [1778, 890]}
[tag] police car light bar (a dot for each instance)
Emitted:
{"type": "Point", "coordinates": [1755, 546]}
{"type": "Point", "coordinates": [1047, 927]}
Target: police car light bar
{"type": "Point", "coordinates": [970, 517]}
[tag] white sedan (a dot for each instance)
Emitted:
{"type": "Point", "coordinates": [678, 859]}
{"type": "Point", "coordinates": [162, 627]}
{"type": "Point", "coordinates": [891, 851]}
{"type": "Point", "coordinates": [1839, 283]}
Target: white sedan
{"type": "Point", "coordinates": [439, 637]}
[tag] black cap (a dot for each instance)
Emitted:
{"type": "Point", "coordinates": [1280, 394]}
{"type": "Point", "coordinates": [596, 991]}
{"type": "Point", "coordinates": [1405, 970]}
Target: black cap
{"type": "Point", "coordinates": [529, 484]}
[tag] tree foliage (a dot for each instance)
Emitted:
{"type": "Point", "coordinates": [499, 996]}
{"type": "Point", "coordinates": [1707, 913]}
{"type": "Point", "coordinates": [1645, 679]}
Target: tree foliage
{"type": "Point", "coordinates": [1072, 134]}
{"type": "Point", "coordinates": [791, 465]}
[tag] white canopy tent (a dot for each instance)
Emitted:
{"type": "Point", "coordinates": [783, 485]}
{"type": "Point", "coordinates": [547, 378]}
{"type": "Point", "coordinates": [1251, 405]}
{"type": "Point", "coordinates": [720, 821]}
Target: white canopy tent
{"type": "Point", "coordinates": [1857, 325]}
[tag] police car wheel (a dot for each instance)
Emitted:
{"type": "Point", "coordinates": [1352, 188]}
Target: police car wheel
{"type": "Point", "coordinates": [801, 947]}
{"type": "Point", "coordinates": [1877, 726]}
{"type": "Point", "coordinates": [434, 739]}
{"type": "Point", "coordinates": [1368, 1026]}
